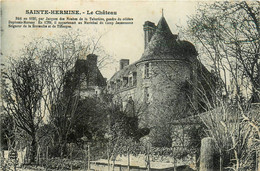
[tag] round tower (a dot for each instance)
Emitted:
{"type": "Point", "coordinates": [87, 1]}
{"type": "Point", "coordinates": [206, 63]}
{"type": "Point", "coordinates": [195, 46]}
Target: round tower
{"type": "Point", "coordinates": [164, 74]}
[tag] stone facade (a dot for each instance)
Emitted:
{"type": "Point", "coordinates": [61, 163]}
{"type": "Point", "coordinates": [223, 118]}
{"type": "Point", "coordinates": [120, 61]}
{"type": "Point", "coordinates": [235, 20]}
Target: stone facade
{"type": "Point", "coordinates": [159, 83]}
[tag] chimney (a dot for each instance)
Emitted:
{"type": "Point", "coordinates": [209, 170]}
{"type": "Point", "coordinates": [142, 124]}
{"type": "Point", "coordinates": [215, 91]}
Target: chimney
{"type": "Point", "coordinates": [123, 63]}
{"type": "Point", "coordinates": [92, 60]}
{"type": "Point", "coordinates": [149, 29]}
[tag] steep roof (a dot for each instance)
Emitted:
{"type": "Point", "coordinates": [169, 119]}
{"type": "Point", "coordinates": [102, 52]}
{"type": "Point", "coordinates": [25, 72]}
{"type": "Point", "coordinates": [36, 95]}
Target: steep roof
{"type": "Point", "coordinates": [124, 72]}
{"type": "Point", "coordinates": [164, 45]}
{"type": "Point", "coordinates": [163, 27]}
{"type": "Point", "coordinates": [91, 72]}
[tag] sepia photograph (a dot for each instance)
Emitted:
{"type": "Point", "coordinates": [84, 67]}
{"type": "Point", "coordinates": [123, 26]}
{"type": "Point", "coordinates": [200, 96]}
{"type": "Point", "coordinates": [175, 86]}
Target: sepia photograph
{"type": "Point", "coordinates": [147, 85]}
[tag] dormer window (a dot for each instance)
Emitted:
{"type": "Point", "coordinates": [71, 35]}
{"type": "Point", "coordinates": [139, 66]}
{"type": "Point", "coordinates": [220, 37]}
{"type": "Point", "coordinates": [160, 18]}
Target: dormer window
{"type": "Point", "coordinates": [125, 81]}
{"type": "Point", "coordinates": [112, 84]}
{"type": "Point", "coordinates": [130, 81]}
{"type": "Point", "coordinates": [147, 70]}
{"type": "Point", "coordinates": [118, 84]}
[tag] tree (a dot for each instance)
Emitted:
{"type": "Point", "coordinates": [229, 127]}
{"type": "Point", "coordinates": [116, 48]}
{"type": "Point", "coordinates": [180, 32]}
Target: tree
{"type": "Point", "coordinates": [22, 95]}
{"type": "Point", "coordinates": [235, 139]}
{"type": "Point", "coordinates": [228, 36]}
{"type": "Point", "coordinates": [35, 89]}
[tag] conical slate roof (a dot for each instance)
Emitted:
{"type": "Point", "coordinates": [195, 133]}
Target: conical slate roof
{"type": "Point", "coordinates": [163, 27]}
{"type": "Point", "coordinates": [164, 45]}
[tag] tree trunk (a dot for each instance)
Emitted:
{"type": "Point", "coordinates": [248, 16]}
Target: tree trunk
{"type": "Point", "coordinates": [257, 160]}
{"type": "Point", "coordinates": [255, 95]}
{"type": "Point", "coordinates": [62, 146]}
{"type": "Point", "coordinates": [175, 164]}
{"type": "Point", "coordinates": [33, 149]}
{"type": "Point", "coordinates": [197, 156]}
{"type": "Point", "coordinates": [63, 149]}
{"type": "Point", "coordinates": [221, 162]}
{"type": "Point", "coordinates": [47, 155]}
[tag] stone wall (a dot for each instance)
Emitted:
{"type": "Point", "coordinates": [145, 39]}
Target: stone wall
{"type": "Point", "coordinates": [168, 97]}
{"type": "Point", "coordinates": [162, 94]}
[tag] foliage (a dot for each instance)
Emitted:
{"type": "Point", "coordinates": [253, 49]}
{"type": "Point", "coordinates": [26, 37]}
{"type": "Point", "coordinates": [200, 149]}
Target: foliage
{"type": "Point", "coordinates": [234, 137]}
{"type": "Point", "coordinates": [6, 164]}
{"type": "Point", "coordinates": [195, 133]}
{"type": "Point", "coordinates": [227, 35]}
{"type": "Point", "coordinates": [22, 96]}
{"type": "Point", "coordinates": [122, 134]}
{"type": "Point", "coordinates": [7, 132]}
{"type": "Point", "coordinates": [89, 120]}
{"type": "Point", "coordinates": [63, 164]}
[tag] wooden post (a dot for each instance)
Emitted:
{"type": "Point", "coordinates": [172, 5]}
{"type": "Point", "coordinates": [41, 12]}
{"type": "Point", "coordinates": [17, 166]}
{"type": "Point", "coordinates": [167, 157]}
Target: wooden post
{"type": "Point", "coordinates": [128, 160]}
{"type": "Point", "coordinates": [175, 164]}
{"type": "Point", "coordinates": [257, 168]}
{"type": "Point", "coordinates": [38, 156]}
{"type": "Point", "coordinates": [88, 156]}
{"type": "Point", "coordinates": [85, 156]}
{"type": "Point", "coordinates": [174, 159]}
{"type": "Point", "coordinates": [14, 164]}
{"type": "Point", "coordinates": [148, 157]}
{"type": "Point", "coordinates": [71, 168]}
{"type": "Point", "coordinates": [108, 157]}
{"type": "Point", "coordinates": [47, 153]}
{"type": "Point", "coordinates": [46, 157]}
{"type": "Point", "coordinates": [22, 157]}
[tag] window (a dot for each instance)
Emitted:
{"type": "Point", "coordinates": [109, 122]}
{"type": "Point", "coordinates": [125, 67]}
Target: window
{"type": "Point", "coordinates": [134, 78]}
{"type": "Point", "coordinates": [146, 95]}
{"type": "Point", "coordinates": [125, 81]}
{"type": "Point", "coordinates": [147, 70]}
{"type": "Point", "coordinates": [112, 84]}
{"type": "Point", "coordinates": [130, 81]}
{"type": "Point", "coordinates": [118, 84]}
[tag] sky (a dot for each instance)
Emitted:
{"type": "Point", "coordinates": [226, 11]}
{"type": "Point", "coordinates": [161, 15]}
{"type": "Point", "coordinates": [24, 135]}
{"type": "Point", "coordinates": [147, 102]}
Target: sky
{"type": "Point", "coordinates": [121, 41]}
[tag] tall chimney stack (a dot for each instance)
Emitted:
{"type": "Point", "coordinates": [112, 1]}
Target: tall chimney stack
{"type": "Point", "coordinates": [123, 63]}
{"type": "Point", "coordinates": [149, 29]}
{"type": "Point", "coordinates": [92, 60]}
